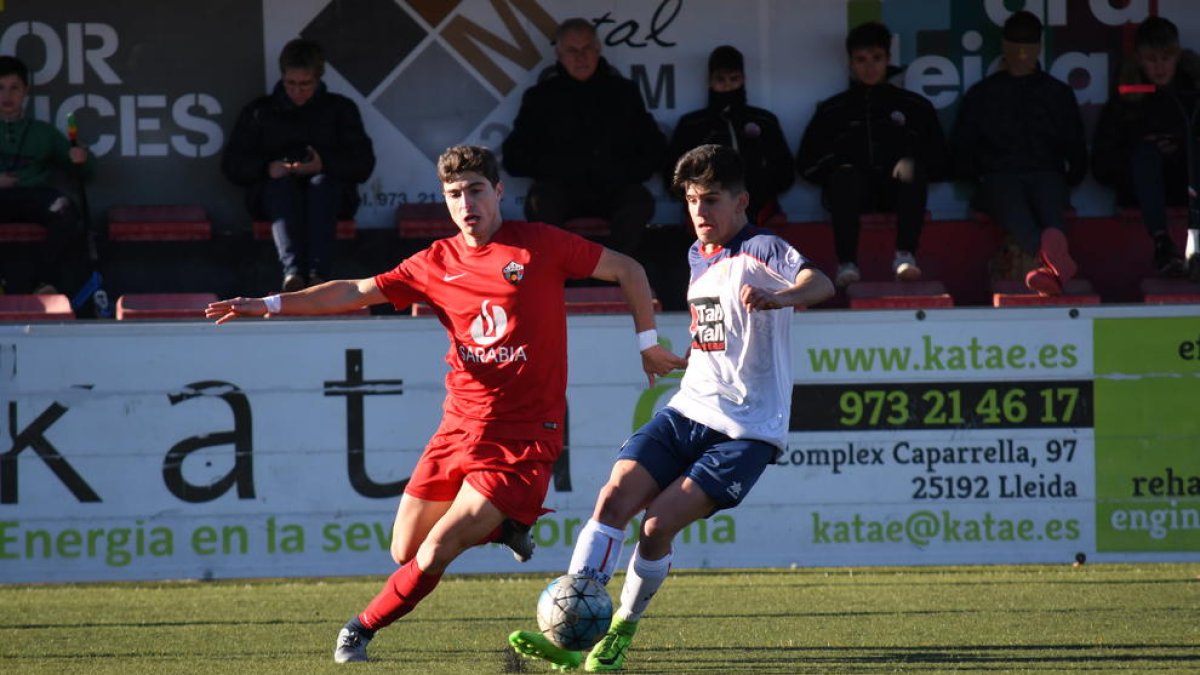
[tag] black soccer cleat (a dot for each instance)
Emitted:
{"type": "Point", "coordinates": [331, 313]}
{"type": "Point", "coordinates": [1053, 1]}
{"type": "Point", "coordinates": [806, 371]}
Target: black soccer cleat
{"type": "Point", "coordinates": [519, 538]}
{"type": "Point", "coordinates": [351, 644]}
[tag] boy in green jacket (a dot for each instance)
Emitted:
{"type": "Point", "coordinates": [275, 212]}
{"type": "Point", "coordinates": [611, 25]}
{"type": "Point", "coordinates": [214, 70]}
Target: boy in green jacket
{"type": "Point", "coordinates": [30, 153]}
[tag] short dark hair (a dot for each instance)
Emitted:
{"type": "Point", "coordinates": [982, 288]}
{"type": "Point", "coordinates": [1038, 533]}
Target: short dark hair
{"type": "Point", "coordinates": [302, 55]}
{"type": "Point", "coordinates": [867, 35]}
{"type": "Point", "coordinates": [573, 25]}
{"type": "Point", "coordinates": [1023, 27]}
{"type": "Point", "coordinates": [726, 57]}
{"type": "Point", "coordinates": [710, 166]}
{"type": "Point", "coordinates": [460, 159]}
{"type": "Point", "coordinates": [11, 65]}
{"type": "Point", "coordinates": [1156, 32]}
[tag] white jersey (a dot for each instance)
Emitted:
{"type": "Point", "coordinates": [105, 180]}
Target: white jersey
{"type": "Point", "coordinates": [739, 373]}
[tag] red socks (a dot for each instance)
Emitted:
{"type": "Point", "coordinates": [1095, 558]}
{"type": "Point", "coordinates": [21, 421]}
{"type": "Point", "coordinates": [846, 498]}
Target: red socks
{"type": "Point", "coordinates": [403, 590]}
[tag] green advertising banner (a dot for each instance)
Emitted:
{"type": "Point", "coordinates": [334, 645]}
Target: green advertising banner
{"type": "Point", "coordinates": [1147, 428]}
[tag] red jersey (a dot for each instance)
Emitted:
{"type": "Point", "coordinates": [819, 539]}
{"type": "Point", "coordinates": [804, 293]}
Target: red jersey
{"type": "Point", "coordinates": [503, 307]}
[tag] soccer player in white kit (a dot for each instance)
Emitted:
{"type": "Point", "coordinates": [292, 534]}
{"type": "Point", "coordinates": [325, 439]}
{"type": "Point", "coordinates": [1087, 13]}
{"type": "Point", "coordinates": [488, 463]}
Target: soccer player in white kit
{"type": "Point", "coordinates": [705, 450]}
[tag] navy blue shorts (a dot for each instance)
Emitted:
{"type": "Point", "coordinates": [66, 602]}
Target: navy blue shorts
{"type": "Point", "coordinates": [671, 445]}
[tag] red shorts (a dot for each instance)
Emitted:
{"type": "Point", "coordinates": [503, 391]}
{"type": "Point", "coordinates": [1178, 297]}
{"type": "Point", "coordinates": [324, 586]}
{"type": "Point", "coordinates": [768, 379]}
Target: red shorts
{"type": "Point", "coordinates": [513, 475]}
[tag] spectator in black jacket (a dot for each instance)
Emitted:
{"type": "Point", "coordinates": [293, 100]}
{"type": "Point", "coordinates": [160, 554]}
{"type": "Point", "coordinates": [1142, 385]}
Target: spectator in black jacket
{"type": "Point", "coordinates": [1020, 135]}
{"type": "Point", "coordinates": [1140, 146]}
{"type": "Point", "coordinates": [585, 138]}
{"type": "Point", "coordinates": [300, 152]}
{"type": "Point", "coordinates": [873, 147]}
{"type": "Point", "coordinates": [727, 120]}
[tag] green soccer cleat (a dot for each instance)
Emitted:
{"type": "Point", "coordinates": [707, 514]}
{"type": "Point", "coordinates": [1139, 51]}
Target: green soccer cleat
{"type": "Point", "coordinates": [534, 644]}
{"type": "Point", "coordinates": [609, 653]}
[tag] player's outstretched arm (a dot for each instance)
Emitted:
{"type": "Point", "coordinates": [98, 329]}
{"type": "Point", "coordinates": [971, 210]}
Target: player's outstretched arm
{"type": "Point", "coordinates": [629, 273]}
{"type": "Point", "coordinates": [811, 287]}
{"type": "Point", "coordinates": [331, 297]}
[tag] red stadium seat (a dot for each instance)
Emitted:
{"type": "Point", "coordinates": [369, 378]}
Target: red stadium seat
{"type": "Point", "coordinates": [346, 229]}
{"type": "Point", "coordinates": [13, 233]}
{"type": "Point", "coordinates": [1069, 214]}
{"type": "Point", "coordinates": [432, 221]}
{"type": "Point", "coordinates": [1012, 293]}
{"type": "Point", "coordinates": [579, 300]}
{"type": "Point", "coordinates": [898, 295]}
{"type": "Point", "coordinates": [599, 300]}
{"type": "Point", "coordinates": [588, 226]}
{"type": "Point", "coordinates": [1170, 291]}
{"type": "Point", "coordinates": [163, 305]}
{"type": "Point", "coordinates": [187, 222]}
{"type": "Point", "coordinates": [41, 307]}
{"type": "Point", "coordinates": [1177, 216]}
{"type": "Point", "coordinates": [884, 219]}
{"type": "Point", "coordinates": [424, 221]}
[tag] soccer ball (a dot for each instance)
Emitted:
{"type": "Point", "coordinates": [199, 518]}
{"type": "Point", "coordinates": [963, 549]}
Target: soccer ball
{"type": "Point", "coordinates": [574, 611]}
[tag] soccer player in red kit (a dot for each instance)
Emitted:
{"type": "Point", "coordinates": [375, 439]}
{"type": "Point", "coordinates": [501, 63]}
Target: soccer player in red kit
{"type": "Point", "coordinates": [497, 287]}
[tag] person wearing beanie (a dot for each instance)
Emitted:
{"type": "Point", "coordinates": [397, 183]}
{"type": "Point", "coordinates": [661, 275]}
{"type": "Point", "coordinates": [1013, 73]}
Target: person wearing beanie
{"type": "Point", "coordinates": [873, 147]}
{"type": "Point", "coordinates": [1140, 145]}
{"type": "Point", "coordinates": [754, 132]}
{"type": "Point", "coordinates": [1019, 136]}
{"type": "Point", "coordinates": [31, 152]}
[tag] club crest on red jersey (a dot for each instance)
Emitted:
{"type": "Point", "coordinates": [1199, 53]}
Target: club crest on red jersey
{"type": "Point", "coordinates": [513, 272]}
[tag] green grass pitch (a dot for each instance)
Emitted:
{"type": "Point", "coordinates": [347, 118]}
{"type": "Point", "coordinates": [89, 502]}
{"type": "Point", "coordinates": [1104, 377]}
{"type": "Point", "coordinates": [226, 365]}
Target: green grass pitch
{"type": "Point", "coordinates": [986, 619]}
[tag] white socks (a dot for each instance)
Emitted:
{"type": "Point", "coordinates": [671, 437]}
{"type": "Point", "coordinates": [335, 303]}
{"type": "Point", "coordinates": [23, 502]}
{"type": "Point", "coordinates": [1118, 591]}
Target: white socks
{"type": "Point", "coordinates": [1193, 243]}
{"type": "Point", "coordinates": [597, 551]}
{"type": "Point", "coordinates": [642, 581]}
{"type": "Point", "coordinates": [596, 554]}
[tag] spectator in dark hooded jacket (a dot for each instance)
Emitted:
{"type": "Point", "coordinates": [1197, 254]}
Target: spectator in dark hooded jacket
{"type": "Point", "coordinates": [873, 147]}
{"type": "Point", "coordinates": [727, 120]}
{"type": "Point", "coordinates": [1020, 135]}
{"type": "Point", "coordinates": [300, 152]}
{"type": "Point", "coordinates": [1140, 146]}
{"type": "Point", "coordinates": [585, 138]}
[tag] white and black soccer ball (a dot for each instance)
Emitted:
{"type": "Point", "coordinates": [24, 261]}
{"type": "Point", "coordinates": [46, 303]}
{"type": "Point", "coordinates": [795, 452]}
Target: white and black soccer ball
{"type": "Point", "coordinates": [574, 611]}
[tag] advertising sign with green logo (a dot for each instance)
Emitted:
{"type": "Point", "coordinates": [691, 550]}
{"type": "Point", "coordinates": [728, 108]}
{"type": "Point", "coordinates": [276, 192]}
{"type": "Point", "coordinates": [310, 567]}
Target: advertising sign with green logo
{"type": "Point", "coordinates": [1147, 428]}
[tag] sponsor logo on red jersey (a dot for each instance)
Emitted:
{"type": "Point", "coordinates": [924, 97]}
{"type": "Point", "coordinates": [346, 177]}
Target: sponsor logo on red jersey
{"type": "Point", "coordinates": [489, 325]}
{"type": "Point", "coordinates": [488, 328]}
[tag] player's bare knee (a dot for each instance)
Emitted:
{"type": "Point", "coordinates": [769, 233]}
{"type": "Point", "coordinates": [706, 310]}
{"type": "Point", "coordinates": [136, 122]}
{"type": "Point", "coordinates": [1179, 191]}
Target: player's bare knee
{"type": "Point", "coordinates": [436, 554]}
{"type": "Point", "coordinates": [655, 537]}
{"type": "Point", "coordinates": [399, 555]}
{"type": "Point", "coordinates": [651, 528]}
{"type": "Point", "coordinates": [653, 542]}
{"type": "Point", "coordinates": [614, 506]}
{"type": "Point", "coordinates": [403, 549]}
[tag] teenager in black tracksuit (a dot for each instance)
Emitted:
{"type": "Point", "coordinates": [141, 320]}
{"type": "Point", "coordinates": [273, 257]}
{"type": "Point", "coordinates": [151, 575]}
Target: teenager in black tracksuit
{"type": "Point", "coordinates": [1140, 146]}
{"type": "Point", "coordinates": [873, 147]}
{"type": "Point", "coordinates": [727, 120]}
{"type": "Point", "coordinates": [1019, 133]}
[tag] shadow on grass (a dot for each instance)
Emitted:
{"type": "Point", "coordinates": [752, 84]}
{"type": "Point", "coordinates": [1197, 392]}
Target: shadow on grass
{"type": "Point", "coordinates": [1053, 657]}
{"type": "Point", "coordinates": [769, 660]}
{"type": "Point", "coordinates": [522, 619]}
{"type": "Point", "coordinates": [908, 584]}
